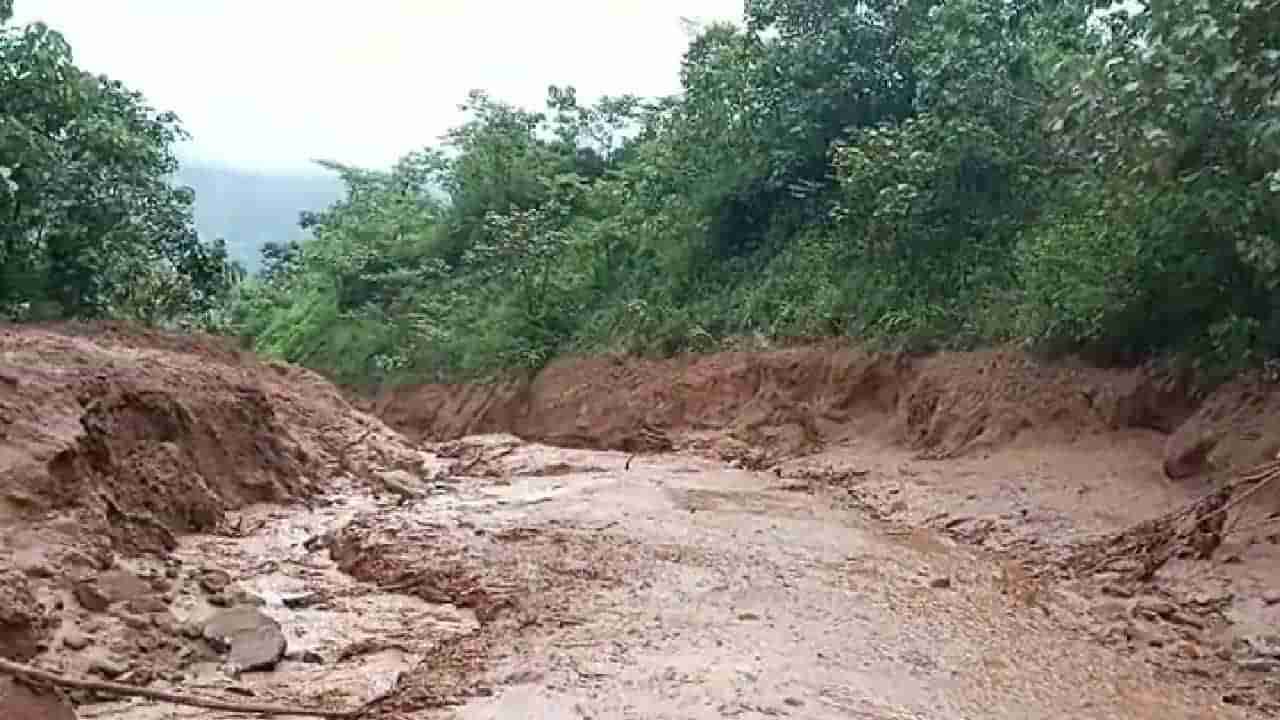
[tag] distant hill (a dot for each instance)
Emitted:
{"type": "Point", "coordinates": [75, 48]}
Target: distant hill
{"type": "Point", "coordinates": [249, 209]}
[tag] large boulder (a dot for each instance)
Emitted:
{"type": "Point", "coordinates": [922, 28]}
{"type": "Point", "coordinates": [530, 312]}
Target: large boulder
{"type": "Point", "coordinates": [252, 640]}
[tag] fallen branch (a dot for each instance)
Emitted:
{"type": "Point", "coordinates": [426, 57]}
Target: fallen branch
{"type": "Point", "coordinates": [26, 671]}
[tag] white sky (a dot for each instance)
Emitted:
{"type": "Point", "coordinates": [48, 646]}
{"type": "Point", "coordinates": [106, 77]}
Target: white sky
{"type": "Point", "coordinates": [271, 84]}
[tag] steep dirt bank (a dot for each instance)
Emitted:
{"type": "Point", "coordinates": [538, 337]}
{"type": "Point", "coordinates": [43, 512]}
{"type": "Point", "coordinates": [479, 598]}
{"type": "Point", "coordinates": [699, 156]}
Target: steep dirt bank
{"type": "Point", "coordinates": [798, 400]}
{"type": "Point", "coordinates": [141, 435]}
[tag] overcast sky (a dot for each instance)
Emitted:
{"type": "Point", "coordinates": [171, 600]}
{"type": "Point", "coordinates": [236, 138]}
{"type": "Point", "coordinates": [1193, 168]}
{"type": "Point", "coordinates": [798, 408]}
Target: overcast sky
{"type": "Point", "coordinates": [270, 84]}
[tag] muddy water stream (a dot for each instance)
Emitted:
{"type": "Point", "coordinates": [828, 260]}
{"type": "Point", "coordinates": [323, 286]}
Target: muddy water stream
{"type": "Point", "coordinates": [676, 588]}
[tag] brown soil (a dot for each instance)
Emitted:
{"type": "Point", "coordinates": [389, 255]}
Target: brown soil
{"type": "Point", "coordinates": [798, 399]}
{"type": "Point", "coordinates": [139, 435]}
{"type": "Point", "coordinates": [926, 526]}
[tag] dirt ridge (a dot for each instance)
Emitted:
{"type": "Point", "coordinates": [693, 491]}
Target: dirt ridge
{"type": "Point", "coordinates": [799, 399]}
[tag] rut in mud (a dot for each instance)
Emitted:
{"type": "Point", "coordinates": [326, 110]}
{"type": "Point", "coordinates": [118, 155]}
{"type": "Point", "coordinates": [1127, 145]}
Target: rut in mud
{"type": "Point", "coordinates": [813, 534]}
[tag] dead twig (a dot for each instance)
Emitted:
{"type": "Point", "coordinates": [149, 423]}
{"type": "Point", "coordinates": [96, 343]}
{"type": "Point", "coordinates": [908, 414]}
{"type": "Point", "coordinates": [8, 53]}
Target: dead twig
{"type": "Point", "coordinates": [31, 673]}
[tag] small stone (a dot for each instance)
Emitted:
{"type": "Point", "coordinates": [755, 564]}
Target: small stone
{"type": "Point", "coordinates": [1117, 591]}
{"type": "Point", "coordinates": [146, 605]}
{"type": "Point", "coordinates": [136, 622]}
{"type": "Point", "coordinates": [213, 580]}
{"type": "Point", "coordinates": [90, 597]}
{"type": "Point", "coordinates": [219, 600]}
{"type": "Point", "coordinates": [1271, 597]}
{"type": "Point", "coordinates": [39, 570]}
{"type": "Point", "coordinates": [1112, 610]}
{"type": "Point", "coordinates": [122, 585]}
{"type": "Point", "coordinates": [1259, 665]}
{"type": "Point", "coordinates": [793, 702]}
{"type": "Point", "coordinates": [1180, 618]}
{"type": "Point", "coordinates": [108, 668]}
{"type": "Point", "coordinates": [306, 656]}
{"type": "Point", "coordinates": [748, 616]}
{"type": "Point", "coordinates": [75, 640]}
{"type": "Point", "coordinates": [940, 583]}
{"type": "Point", "coordinates": [244, 597]}
{"type": "Point", "coordinates": [300, 600]}
{"type": "Point", "coordinates": [1154, 607]}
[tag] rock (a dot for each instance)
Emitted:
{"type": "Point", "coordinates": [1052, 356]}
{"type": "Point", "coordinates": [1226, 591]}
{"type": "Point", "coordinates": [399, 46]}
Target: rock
{"type": "Point", "coordinates": [1154, 607]}
{"type": "Point", "coordinates": [1139, 635]}
{"type": "Point", "coordinates": [122, 586]}
{"type": "Point", "coordinates": [940, 583]}
{"type": "Point", "coordinates": [1259, 665]}
{"type": "Point", "coordinates": [1271, 597]}
{"type": "Point", "coordinates": [39, 570]}
{"type": "Point", "coordinates": [108, 588]}
{"type": "Point", "coordinates": [1117, 591]}
{"type": "Point", "coordinates": [90, 597]}
{"type": "Point", "coordinates": [253, 641]}
{"type": "Point", "coordinates": [20, 702]}
{"type": "Point", "coordinates": [300, 600]}
{"type": "Point", "coordinates": [306, 656]}
{"type": "Point", "coordinates": [107, 667]}
{"type": "Point", "coordinates": [214, 580]}
{"type": "Point", "coordinates": [146, 606]}
{"type": "Point", "coordinates": [401, 483]}
{"type": "Point", "coordinates": [1260, 646]}
{"type": "Point", "coordinates": [25, 627]}
{"type": "Point", "coordinates": [75, 640]}
{"type": "Point", "coordinates": [244, 597]}
{"type": "Point", "coordinates": [134, 622]}
{"type": "Point", "coordinates": [1181, 618]}
{"type": "Point", "coordinates": [1112, 610]}
{"type": "Point", "coordinates": [1186, 456]}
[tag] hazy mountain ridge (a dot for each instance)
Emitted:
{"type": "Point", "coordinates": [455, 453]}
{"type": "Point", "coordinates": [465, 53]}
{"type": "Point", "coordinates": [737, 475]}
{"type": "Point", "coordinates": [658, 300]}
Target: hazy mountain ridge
{"type": "Point", "coordinates": [251, 208]}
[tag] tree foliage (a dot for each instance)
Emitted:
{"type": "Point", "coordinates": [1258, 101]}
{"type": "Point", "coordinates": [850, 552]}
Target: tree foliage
{"type": "Point", "coordinates": [90, 224]}
{"type": "Point", "coordinates": [927, 173]}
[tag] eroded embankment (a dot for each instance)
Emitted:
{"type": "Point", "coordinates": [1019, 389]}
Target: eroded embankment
{"type": "Point", "coordinates": [796, 400]}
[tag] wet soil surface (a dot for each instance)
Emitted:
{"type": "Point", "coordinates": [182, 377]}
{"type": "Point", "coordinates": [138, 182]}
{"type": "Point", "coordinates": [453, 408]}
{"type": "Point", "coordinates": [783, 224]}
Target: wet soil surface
{"type": "Point", "coordinates": [553, 583]}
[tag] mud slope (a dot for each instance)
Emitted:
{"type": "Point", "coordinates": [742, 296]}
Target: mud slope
{"type": "Point", "coordinates": [136, 436]}
{"type": "Point", "coordinates": [796, 399]}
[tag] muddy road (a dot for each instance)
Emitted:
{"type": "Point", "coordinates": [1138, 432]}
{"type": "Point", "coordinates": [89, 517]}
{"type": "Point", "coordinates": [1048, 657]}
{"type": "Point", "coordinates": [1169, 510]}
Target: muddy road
{"type": "Point", "coordinates": [808, 533]}
{"type": "Point", "coordinates": [565, 584]}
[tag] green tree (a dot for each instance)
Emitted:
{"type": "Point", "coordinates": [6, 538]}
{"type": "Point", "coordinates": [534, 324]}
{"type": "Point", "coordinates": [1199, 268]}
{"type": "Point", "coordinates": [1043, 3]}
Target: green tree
{"type": "Point", "coordinates": [86, 206]}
